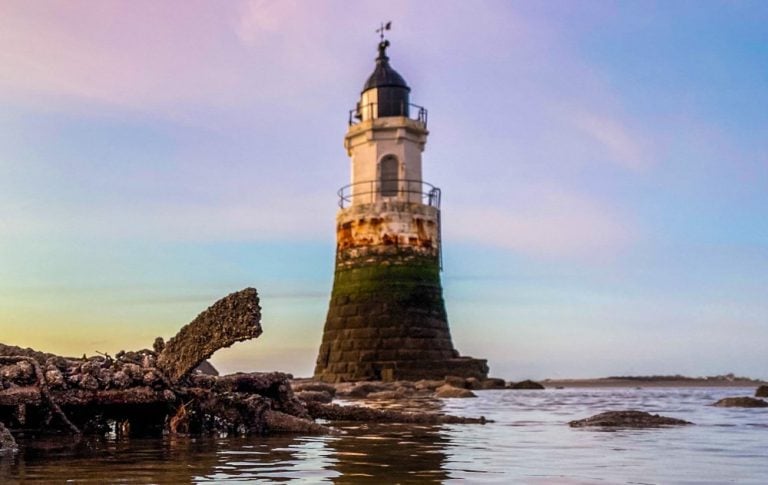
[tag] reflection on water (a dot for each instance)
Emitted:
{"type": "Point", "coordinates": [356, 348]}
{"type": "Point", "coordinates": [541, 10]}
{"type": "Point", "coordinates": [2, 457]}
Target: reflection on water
{"type": "Point", "coordinates": [530, 442]}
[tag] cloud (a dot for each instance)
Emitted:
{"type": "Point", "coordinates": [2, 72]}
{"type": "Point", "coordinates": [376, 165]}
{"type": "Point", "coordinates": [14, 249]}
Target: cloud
{"type": "Point", "coordinates": [623, 147]}
{"type": "Point", "coordinates": [160, 57]}
{"type": "Point", "coordinates": [546, 222]}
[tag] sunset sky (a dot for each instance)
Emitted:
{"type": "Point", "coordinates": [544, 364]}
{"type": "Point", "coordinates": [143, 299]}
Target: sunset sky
{"type": "Point", "coordinates": [604, 168]}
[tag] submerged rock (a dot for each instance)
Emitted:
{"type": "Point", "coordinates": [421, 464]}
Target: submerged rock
{"type": "Point", "coordinates": [449, 391]}
{"type": "Point", "coordinates": [741, 402]}
{"type": "Point", "coordinates": [627, 419]}
{"type": "Point", "coordinates": [526, 384]}
{"type": "Point", "coordinates": [762, 391]}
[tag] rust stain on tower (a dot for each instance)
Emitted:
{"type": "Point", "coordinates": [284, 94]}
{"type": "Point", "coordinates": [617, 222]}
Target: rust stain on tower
{"type": "Point", "coordinates": [386, 318]}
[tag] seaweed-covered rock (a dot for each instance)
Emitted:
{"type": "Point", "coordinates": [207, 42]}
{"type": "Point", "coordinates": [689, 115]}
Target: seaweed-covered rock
{"type": "Point", "coordinates": [526, 384]}
{"type": "Point", "coordinates": [627, 419]}
{"type": "Point", "coordinates": [762, 391]}
{"type": "Point", "coordinates": [741, 402]}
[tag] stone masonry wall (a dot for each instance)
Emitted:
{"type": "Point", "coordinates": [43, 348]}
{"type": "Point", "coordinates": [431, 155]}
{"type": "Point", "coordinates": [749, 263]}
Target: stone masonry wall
{"type": "Point", "coordinates": [386, 318]}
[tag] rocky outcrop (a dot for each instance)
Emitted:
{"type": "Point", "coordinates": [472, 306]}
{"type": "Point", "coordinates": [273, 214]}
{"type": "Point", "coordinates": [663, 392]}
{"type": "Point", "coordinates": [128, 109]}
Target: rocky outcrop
{"type": "Point", "coordinates": [627, 419]}
{"type": "Point", "coordinates": [526, 384]}
{"type": "Point", "coordinates": [232, 319]}
{"type": "Point", "coordinates": [741, 402]}
{"type": "Point", "coordinates": [761, 391]}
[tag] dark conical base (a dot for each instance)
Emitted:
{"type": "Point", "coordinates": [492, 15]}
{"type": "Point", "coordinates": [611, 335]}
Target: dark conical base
{"type": "Point", "coordinates": [387, 321]}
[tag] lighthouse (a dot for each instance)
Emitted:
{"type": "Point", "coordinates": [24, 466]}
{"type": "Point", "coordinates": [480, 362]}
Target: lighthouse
{"type": "Point", "coordinates": [386, 318]}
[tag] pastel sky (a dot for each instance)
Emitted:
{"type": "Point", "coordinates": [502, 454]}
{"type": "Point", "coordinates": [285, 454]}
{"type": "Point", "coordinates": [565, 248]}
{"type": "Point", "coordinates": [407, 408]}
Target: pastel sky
{"type": "Point", "coordinates": [604, 168]}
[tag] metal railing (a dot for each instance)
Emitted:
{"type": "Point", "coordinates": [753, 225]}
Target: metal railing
{"type": "Point", "coordinates": [406, 190]}
{"type": "Point", "coordinates": [372, 110]}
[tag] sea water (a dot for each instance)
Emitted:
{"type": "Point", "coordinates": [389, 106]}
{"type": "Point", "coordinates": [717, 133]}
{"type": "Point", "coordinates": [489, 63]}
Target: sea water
{"type": "Point", "coordinates": [528, 442]}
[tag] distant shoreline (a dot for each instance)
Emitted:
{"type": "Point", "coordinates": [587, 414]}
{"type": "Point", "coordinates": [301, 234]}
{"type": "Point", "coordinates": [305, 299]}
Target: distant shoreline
{"type": "Point", "coordinates": [650, 382]}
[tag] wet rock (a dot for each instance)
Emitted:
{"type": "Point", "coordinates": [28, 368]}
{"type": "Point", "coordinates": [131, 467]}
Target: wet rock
{"type": "Point", "coordinates": [762, 391]}
{"type": "Point", "coordinates": [7, 442]}
{"type": "Point", "coordinates": [90, 368]}
{"type": "Point", "coordinates": [526, 384]}
{"type": "Point", "coordinates": [151, 378]}
{"type": "Point", "coordinates": [19, 373]}
{"type": "Point", "coordinates": [390, 395]}
{"type": "Point", "coordinates": [449, 391]}
{"type": "Point", "coordinates": [202, 381]}
{"type": "Point", "coordinates": [627, 419]}
{"type": "Point", "coordinates": [427, 385]}
{"type": "Point", "coordinates": [121, 380]}
{"type": "Point", "coordinates": [492, 383]}
{"type": "Point", "coordinates": [55, 378]}
{"type": "Point", "coordinates": [741, 402]}
{"type": "Point", "coordinates": [362, 389]}
{"type": "Point", "coordinates": [277, 421]}
{"type": "Point", "coordinates": [88, 382]}
{"type": "Point", "coordinates": [232, 319]}
{"type": "Point", "coordinates": [135, 372]}
{"type": "Point", "coordinates": [315, 386]}
{"type": "Point", "coordinates": [456, 381]}
{"type": "Point", "coordinates": [335, 412]}
{"type": "Point", "coordinates": [314, 396]}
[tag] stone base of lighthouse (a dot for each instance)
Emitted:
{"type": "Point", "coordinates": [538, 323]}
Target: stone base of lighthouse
{"type": "Point", "coordinates": [387, 316]}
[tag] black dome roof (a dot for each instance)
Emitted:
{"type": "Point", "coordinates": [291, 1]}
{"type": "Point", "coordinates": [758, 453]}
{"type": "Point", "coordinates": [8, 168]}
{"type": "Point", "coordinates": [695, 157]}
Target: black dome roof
{"type": "Point", "coordinates": [383, 75]}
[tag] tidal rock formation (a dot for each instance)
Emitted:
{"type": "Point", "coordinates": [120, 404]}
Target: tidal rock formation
{"type": "Point", "coordinates": [526, 384]}
{"type": "Point", "coordinates": [232, 319]}
{"type": "Point", "coordinates": [762, 391]}
{"type": "Point", "coordinates": [741, 402]}
{"type": "Point", "coordinates": [627, 419]}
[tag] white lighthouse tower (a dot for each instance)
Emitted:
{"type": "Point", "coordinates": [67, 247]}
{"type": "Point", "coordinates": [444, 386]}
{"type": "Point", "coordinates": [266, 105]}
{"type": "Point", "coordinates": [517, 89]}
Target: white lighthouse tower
{"type": "Point", "coordinates": [386, 318]}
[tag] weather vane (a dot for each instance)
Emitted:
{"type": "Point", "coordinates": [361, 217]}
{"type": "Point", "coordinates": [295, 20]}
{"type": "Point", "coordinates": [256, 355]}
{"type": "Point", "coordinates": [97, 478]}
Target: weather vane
{"type": "Point", "coordinates": [380, 30]}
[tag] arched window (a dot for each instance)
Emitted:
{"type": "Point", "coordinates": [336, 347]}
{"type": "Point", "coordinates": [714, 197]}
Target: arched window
{"type": "Point", "coordinates": [388, 175]}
